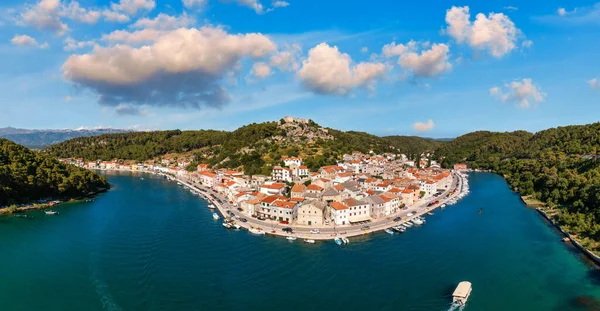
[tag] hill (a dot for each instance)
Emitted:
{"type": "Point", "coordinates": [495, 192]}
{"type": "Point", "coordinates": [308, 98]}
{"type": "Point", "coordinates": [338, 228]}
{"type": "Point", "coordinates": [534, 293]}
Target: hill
{"type": "Point", "coordinates": [26, 176]}
{"type": "Point", "coordinates": [254, 147]}
{"type": "Point", "coordinates": [44, 138]}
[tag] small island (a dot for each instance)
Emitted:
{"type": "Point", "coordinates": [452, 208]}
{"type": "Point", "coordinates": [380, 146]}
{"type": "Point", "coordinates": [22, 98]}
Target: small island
{"type": "Point", "coordinates": [32, 180]}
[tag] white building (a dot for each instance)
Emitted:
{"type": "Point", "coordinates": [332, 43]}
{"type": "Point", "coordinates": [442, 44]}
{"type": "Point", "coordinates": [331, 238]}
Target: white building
{"type": "Point", "coordinates": [339, 213]}
{"type": "Point", "coordinates": [292, 161]}
{"type": "Point", "coordinates": [281, 174]}
{"type": "Point", "coordinates": [357, 210]}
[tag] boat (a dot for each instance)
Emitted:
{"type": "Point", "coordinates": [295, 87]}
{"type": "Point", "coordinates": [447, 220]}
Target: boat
{"type": "Point", "coordinates": [443, 205]}
{"type": "Point", "coordinates": [431, 214]}
{"type": "Point", "coordinates": [399, 229]}
{"type": "Point", "coordinates": [51, 212]}
{"type": "Point", "coordinates": [481, 210]}
{"type": "Point", "coordinates": [291, 238]}
{"type": "Point", "coordinates": [417, 221]}
{"type": "Point", "coordinates": [461, 293]}
{"type": "Point", "coordinates": [216, 216]}
{"type": "Point", "coordinates": [227, 225]}
{"type": "Point", "coordinates": [211, 206]}
{"type": "Point", "coordinates": [236, 226]}
{"type": "Point", "coordinates": [338, 241]}
{"type": "Point", "coordinates": [311, 241]}
{"type": "Point", "coordinates": [345, 240]}
{"type": "Point", "coordinates": [388, 231]}
{"type": "Point", "coordinates": [408, 224]}
{"type": "Point", "coordinates": [256, 231]}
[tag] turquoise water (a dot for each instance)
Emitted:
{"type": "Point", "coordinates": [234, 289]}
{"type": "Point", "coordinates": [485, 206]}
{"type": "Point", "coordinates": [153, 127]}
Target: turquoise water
{"type": "Point", "coordinates": [151, 245]}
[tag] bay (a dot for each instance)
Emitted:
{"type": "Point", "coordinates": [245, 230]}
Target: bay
{"type": "Point", "coordinates": [149, 244]}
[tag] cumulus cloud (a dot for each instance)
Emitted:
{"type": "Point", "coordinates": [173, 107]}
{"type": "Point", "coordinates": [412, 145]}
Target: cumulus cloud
{"type": "Point", "coordinates": [25, 40]}
{"type": "Point", "coordinates": [524, 93]}
{"type": "Point", "coordinates": [580, 16]}
{"type": "Point", "coordinates": [328, 71]}
{"type": "Point", "coordinates": [129, 110]}
{"type": "Point", "coordinates": [253, 4]}
{"type": "Point", "coordinates": [563, 11]}
{"type": "Point", "coordinates": [424, 127]}
{"type": "Point", "coordinates": [280, 4]}
{"type": "Point", "coordinates": [132, 7]}
{"type": "Point", "coordinates": [44, 15]}
{"type": "Point", "coordinates": [136, 37]}
{"type": "Point", "coordinates": [287, 59]}
{"type": "Point", "coordinates": [115, 16]}
{"type": "Point", "coordinates": [364, 49]}
{"type": "Point", "coordinates": [194, 4]}
{"type": "Point", "coordinates": [164, 22]}
{"type": "Point", "coordinates": [75, 12]}
{"type": "Point", "coordinates": [527, 44]}
{"type": "Point", "coordinates": [183, 68]}
{"type": "Point", "coordinates": [261, 70]}
{"type": "Point", "coordinates": [421, 59]}
{"type": "Point", "coordinates": [495, 32]}
{"type": "Point", "coordinates": [594, 83]}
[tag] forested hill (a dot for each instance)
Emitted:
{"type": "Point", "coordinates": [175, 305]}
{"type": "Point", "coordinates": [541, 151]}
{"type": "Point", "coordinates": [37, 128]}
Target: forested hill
{"type": "Point", "coordinates": [43, 138]}
{"type": "Point", "coordinates": [558, 166]}
{"type": "Point", "coordinates": [26, 176]}
{"type": "Point", "coordinates": [254, 147]}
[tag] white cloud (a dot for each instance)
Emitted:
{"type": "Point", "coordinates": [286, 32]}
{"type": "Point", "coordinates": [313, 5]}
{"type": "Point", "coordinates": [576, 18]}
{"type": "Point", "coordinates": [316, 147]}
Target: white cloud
{"type": "Point", "coordinates": [25, 40]}
{"type": "Point", "coordinates": [523, 92]}
{"type": "Point", "coordinates": [495, 32]}
{"type": "Point", "coordinates": [594, 83]}
{"type": "Point", "coordinates": [563, 11]}
{"type": "Point", "coordinates": [280, 4]}
{"type": "Point", "coordinates": [428, 63]}
{"type": "Point", "coordinates": [68, 99]}
{"type": "Point", "coordinates": [328, 71]}
{"type": "Point", "coordinates": [579, 16]}
{"type": "Point", "coordinates": [72, 44]}
{"type": "Point", "coordinates": [165, 22]}
{"type": "Point", "coordinates": [183, 68]}
{"type": "Point", "coordinates": [75, 12]}
{"type": "Point", "coordinates": [44, 15]}
{"type": "Point", "coordinates": [194, 4]}
{"type": "Point", "coordinates": [393, 49]}
{"type": "Point", "coordinates": [114, 16]}
{"type": "Point", "coordinates": [135, 37]}
{"type": "Point", "coordinates": [261, 70]}
{"type": "Point", "coordinates": [527, 44]}
{"type": "Point", "coordinates": [511, 8]}
{"type": "Point", "coordinates": [253, 4]}
{"type": "Point", "coordinates": [424, 127]}
{"type": "Point", "coordinates": [132, 7]}
{"type": "Point", "coordinates": [364, 49]}
{"type": "Point", "coordinates": [287, 58]}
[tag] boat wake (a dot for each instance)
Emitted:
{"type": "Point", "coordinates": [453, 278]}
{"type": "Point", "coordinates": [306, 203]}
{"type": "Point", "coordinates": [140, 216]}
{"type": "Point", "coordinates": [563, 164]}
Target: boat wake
{"type": "Point", "coordinates": [456, 307]}
{"type": "Point", "coordinates": [107, 300]}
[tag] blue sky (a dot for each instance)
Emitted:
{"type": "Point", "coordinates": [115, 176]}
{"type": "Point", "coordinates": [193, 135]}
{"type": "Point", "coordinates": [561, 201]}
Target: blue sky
{"type": "Point", "coordinates": [439, 69]}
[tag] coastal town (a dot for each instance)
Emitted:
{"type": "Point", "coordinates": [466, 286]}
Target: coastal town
{"type": "Point", "coordinates": [362, 193]}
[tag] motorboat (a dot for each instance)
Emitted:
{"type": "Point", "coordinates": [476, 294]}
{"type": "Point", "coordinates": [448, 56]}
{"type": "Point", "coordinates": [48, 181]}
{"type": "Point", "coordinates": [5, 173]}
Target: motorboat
{"type": "Point", "coordinates": [443, 205]}
{"type": "Point", "coordinates": [422, 219]}
{"type": "Point", "coordinates": [462, 293]}
{"type": "Point", "coordinates": [409, 215]}
{"type": "Point", "coordinates": [291, 238]}
{"type": "Point", "coordinates": [227, 225]}
{"type": "Point", "coordinates": [408, 224]}
{"type": "Point", "coordinates": [417, 221]}
{"type": "Point", "coordinates": [345, 240]}
{"type": "Point", "coordinates": [311, 241]}
{"type": "Point", "coordinates": [51, 212]}
{"type": "Point", "coordinates": [338, 241]}
{"type": "Point", "coordinates": [399, 229]}
{"type": "Point", "coordinates": [211, 206]}
{"type": "Point", "coordinates": [388, 231]}
{"type": "Point", "coordinates": [236, 226]}
{"type": "Point", "coordinates": [431, 214]}
{"type": "Point", "coordinates": [256, 231]}
{"type": "Point", "coordinates": [215, 216]}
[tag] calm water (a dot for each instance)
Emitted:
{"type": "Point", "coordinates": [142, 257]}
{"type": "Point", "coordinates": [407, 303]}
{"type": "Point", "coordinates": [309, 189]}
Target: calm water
{"type": "Point", "coordinates": [151, 245]}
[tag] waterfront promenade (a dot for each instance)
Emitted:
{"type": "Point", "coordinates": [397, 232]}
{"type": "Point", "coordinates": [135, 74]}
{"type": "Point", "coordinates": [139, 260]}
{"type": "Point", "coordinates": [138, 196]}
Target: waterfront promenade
{"type": "Point", "coordinates": [327, 232]}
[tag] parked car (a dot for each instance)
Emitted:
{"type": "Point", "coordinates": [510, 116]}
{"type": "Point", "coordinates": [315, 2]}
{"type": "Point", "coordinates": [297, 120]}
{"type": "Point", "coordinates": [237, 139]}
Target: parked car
{"type": "Point", "coordinates": [326, 222]}
{"type": "Point", "coordinates": [409, 214]}
{"type": "Point", "coordinates": [315, 231]}
{"type": "Point", "coordinates": [230, 213]}
{"type": "Point", "coordinates": [243, 219]}
{"type": "Point", "coordinates": [287, 229]}
{"type": "Point", "coordinates": [397, 219]}
{"type": "Point", "coordinates": [240, 209]}
{"type": "Point", "coordinates": [284, 222]}
{"type": "Point", "coordinates": [261, 218]}
{"type": "Point", "coordinates": [365, 228]}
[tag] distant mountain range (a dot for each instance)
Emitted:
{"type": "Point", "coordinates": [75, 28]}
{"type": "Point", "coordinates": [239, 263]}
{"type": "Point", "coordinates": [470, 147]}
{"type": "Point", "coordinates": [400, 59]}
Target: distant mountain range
{"type": "Point", "coordinates": [44, 138]}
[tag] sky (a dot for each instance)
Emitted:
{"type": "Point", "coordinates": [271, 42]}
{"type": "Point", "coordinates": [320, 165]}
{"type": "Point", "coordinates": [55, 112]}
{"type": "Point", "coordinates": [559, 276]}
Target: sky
{"type": "Point", "coordinates": [434, 69]}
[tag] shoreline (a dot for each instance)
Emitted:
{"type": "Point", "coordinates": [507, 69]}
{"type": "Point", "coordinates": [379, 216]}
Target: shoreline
{"type": "Point", "coordinates": [43, 206]}
{"type": "Point", "coordinates": [300, 232]}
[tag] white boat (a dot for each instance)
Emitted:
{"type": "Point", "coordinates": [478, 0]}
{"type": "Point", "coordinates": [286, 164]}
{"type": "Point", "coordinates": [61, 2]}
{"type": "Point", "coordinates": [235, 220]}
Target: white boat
{"type": "Point", "coordinates": [388, 231]}
{"type": "Point", "coordinates": [256, 231]}
{"type": "Point", "coordinates": [309, 241]}
{"type": "Point", "coordinates": [338, 241]}
{"type": "Point", "coordinates": [345, 240]}
{"type": "Point", "coordinates": [236, 226]}
{"type": "Point", "coordinates": [227, 225]}
{"type": "Point", "coordinates": [409, 215]}
{"type": "Point", "coordinates": [443, 205]}
{"type": "Point", "coordinates": [462, 293]}
{"type": "Point", "coordinates": [399, 229]}
{"type": "Point", "coordinates": [216, 216]}
{"type": "Point", "coordinates": [211, 206]}
{"type": "Point", "coordinates": [51, 212]}
{"type": "Point", "coordinates": [408, 224]}
{"type": "Point", "coordinates": [291, 238]}
{"type": "Point", "coordinates": [417, 221]}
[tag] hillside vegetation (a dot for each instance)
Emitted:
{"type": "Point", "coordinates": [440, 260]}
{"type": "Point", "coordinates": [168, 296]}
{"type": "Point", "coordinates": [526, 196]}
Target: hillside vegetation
{"type": "Point", "coordinates": [26, 175]}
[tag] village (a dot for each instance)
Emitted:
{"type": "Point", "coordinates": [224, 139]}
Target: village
{"type": "Point", "coordinates": [359, 189]}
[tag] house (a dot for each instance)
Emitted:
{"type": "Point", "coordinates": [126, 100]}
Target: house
{"type": "Point", "coordinates": [357, 210]}
{"type": "Point", "coordinates": [409, 196]}
{"type": "Point", "coordinates": [314, 189]}
{"type": "Point", "coordinates": [302, 171]}
{"type": "Point", "coordinates": [209, 179]}
{"type": "Point", "coordinates": [429, 187]}
{"type": "Point", "coordinates": [339, 213]}
{"type": "Point", "coordinates": [265, 209]}
{"type": "Point", "coordinates": [392, 204]}
{"type": "Point", "coordinates": [202, 167]}
{"type": "Point", "coordinates": [311, 213]}
{"type": "Point", "coordinates": [273, 188]}
{"type": "Point", "coordinates": [283, 210]}
{"type": "Point", "coordinates": [377, 206]}
{"type": "Point", "coordinates": [323, 182]}
{"type": "Point", "coordinates": [281, 174]}
{"type": "Point", "coordinates": [251, 207]}
{"type": "Point", "coordinates": [298, 191]}
{"type": "Point", "coordinates": [331, 195]}
{"type": "Point", "coordinates": [460, 167]}
{"type": "Point", "coordinates": [292, 161]}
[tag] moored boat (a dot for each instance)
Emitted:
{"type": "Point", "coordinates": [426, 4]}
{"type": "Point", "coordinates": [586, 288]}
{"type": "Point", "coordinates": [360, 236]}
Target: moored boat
{"type": "Point", "coordinates": [431, 214]}
{"type": "Point", "coordinates": [215, 216]}
{"type": "Point", "coordinates": [408, 224]}
{"type": "Point", "coordinates": [345, 240]}
{"type": "Point", "coordinates": [462, 293]}
{"type": "Point", "coordinates": [291, 238]}
{"type": "Point", "coordinates": [388, 231]}
{"type": "Point", "coordinates": [399, 229]}
{"type": "Point", "coordinates": [236, 226]}
{"type": "Point", "coordinates": [256, 231]}
{"type": "Point", "coordinates": [417, 221]}
{"type": "Point", "coordinates": [227, 225]}
{"type": "Point", "coordinates": [211, 206]}
{"type": "Point", "coordinates": [311, 241]}
{"type": "Point", "coordinates": [338, 241]}
{"type": "Point", "coordinates": [51, 212]}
